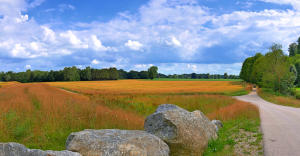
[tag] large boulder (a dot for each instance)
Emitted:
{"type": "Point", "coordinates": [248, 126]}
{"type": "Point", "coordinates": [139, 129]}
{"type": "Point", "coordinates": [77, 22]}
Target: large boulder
{"type": "Point", "coordinates": [15, 149]}
{"type": "Point", "coordinates": [112, 142]}
{"type": "Point", "coordinates": [186, 133]}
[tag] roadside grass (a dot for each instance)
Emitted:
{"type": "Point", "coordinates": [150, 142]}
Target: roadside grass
{"type": "Point", "coordinates": [284, 100]}
{"type": "Point", "coordinates": [236, 118]}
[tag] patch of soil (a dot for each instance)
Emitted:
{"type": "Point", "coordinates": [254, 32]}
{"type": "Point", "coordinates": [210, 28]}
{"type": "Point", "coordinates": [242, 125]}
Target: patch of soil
{"type": "Point", "coordinates": [248, 143]}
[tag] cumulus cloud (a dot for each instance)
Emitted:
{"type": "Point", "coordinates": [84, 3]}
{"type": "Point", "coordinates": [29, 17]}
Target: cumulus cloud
{"type": "Point", "coordinates": [294, 3]}
{"type": "Point", "coordinates": [28, 66]}
{"type": "Point", "coordinates": [174, 42]}
{"type": "Point", "coordinates": [169, 32]}
{"type": "Point", "coordinates": [49, 35]}
{"type": "Point", "coordinates": [98, 46]}
{"type": "Point", "coordinates": [95, 62]}
{"type": "Point", "coordinates": [134, 45]}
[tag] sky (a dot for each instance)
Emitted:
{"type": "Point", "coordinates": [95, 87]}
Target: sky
{"type": "Point", "coordinates": [178, 36]}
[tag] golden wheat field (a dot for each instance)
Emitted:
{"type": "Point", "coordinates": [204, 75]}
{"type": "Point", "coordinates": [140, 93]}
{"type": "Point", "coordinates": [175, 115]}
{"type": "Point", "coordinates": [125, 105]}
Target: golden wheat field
{"type": "Point", "coordinates": [42, 115]}
{"type": "Point", "coordinates": [154, 87]}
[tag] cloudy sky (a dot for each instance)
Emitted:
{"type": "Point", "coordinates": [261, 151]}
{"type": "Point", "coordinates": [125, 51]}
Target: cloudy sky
{"type": "Point", "coordinates": [178, 36]}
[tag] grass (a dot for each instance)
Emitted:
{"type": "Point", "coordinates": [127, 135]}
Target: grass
{"type": "Point", "coordinates": [224, 145]}
{"type": "Point", "coordinates": [42, 116]}
{"type": "Point", "coordinates": [279, 99]}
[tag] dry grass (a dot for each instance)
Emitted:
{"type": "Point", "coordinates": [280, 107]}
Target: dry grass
{"type": "Point", "coordinates": [139, 86]}
{"type": "Point", "coordinates": [41, 116]}
{"type": "Point", "coordinates": [236, 110]}
{"type": "Point", "coordinates": [279, 99]}
{"type": "Point", "coordinates": [7, 83]}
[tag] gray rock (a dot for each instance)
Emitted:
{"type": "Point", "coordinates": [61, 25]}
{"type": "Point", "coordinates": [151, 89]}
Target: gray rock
{"type": "Point", "coordinates": [112, 142]}
{"type": "Point", "coordinates": [187, 133]}
{"type": "Point", "coordinates": [15, 149]}
{"type": "Point", "coordinates": [218, 124]}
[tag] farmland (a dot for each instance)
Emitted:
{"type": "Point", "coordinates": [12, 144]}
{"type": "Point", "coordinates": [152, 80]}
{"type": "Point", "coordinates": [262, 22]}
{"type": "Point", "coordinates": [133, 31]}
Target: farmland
{"type": "Point", "coordinates": [42, 115]}
{"type": "Point", "coordinates": [150, 87]}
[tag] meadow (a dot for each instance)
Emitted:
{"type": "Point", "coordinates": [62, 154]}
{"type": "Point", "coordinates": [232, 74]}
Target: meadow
{"type": "Point", "coordinates": [42, 115]}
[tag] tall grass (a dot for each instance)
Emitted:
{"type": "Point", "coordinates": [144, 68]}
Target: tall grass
{"type": "Point", "coordinates": [41, 116]}
{"type": "Point", "coordinates": [277, 98]}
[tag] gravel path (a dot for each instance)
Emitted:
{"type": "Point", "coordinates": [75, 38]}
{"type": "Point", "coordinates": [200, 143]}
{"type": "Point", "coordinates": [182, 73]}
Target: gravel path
{"type": "Point", "coordinates": [280, 126]}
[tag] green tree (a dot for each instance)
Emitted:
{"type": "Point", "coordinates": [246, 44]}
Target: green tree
{"type": "Point", "coordinates": [225, 76]}
{"type": "Point", "coordinates": [51, 76]}
{"type": "Point", "coordinates": [298, 50]}
{"type": "Point", "coordinates": [247, 68]}
{"type": "Point", "coordinates": [194, 76]}
{"type": "Point", "coordinates": [277, 73]}
{"type": "Point", "coordinates": [71, 74]}
{"type": "Point", "coordinates": [86, 74]}
{"type": "Point", "coordinates": [2, 76]}
{"type": "Point", "coordinates": [113, 74]}
{"type": "Point", "coordinates": [293, 49]}
{"type": "Point", "coordinates": [143, 75]}
{"type": "Point", "coordinates": [152, 72]}
{"type": "Point", "coordinates": [297, 66]}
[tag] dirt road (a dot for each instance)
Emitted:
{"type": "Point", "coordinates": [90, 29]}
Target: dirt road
{"type": "Point", "coordinates": [280, 126]}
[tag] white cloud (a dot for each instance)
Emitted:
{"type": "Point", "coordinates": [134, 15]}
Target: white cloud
{"type": "Point", "coordinates": [133, 45]}
{"type": "Point", "coordinates": [63, 7]}
{"type": "Point", "coordinates": [28, 66]}
{"type": "Point", "coordinates": [174, 42]}
{"type": "Point", "coordinates": [97, 45]}
{"type": "Point", "coordinates": [34, 46]}
{"type": "Point", "coordinates": [189, 27]}
{"type": "Point", "coordinates": [193, 67]}
{"type": "Point", "coordinates": [36, 3]}
{"type": "Point", "coordinates": [49, 35]}
{"type": "Point", "coordinates": [22, 18]}
{"type": "Point", "coordinates": [73, 39]}
{"type": "Point", "coordinates": [95, 62]}
{"type": "Point", "coordinates": [294, 3]}
{"type": "Point", "coordinates": [140, 67]}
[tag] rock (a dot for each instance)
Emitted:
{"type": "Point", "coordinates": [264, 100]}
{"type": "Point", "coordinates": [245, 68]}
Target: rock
{"type": "Point", "coordinates": [112, 142]}
{"type": "Point", "coordinates": [15, 149]}
{"type": "Point", "coordinates": [218, 124]}
{"type": "Point", "coordinates": [186, 133]}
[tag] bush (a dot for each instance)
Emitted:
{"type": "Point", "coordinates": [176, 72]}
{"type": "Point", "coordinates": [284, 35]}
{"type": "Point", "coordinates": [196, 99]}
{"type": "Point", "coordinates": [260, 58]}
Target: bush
{"type": "Point", "coordinates": [297, 95]}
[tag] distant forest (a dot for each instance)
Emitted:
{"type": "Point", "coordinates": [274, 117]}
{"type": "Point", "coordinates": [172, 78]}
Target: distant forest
{"type": "Point", "coordinates": [91, 74]}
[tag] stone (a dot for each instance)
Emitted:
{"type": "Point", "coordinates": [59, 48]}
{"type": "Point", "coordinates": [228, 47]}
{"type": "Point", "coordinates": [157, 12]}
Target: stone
{"type": "Point", "coordinates": [186, 133]}
{"type": "Point", "coordinates": [218, 124]}
{"type": "Point", "coordinates": [113, 142]}
{"type": "Point", "coordinates": [15, 149]}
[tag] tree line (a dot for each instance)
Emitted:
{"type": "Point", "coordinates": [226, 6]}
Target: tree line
{"type": "Point", "coordinates": [76, 74]}
{"type": "Point", "coordinates": [274, 70]}
{"type": "Point", "coordinates": [91, 74]}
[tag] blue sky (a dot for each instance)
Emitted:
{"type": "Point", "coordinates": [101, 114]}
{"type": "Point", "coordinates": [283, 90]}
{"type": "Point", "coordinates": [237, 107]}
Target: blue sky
{"type": "Point", "coordinates": [178, 36]}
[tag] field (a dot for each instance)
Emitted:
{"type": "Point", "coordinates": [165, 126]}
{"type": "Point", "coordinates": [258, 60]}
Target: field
{"type": "Point", "coordinates": [151, 87]}
{"type": "Point", "coordinates": [42, 115]}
